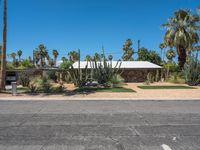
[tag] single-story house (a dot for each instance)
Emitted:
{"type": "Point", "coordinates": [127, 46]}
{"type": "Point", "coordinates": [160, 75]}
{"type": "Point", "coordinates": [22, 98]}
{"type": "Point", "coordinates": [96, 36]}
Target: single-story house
{"type": "Point", "coordinates": [132, 71]}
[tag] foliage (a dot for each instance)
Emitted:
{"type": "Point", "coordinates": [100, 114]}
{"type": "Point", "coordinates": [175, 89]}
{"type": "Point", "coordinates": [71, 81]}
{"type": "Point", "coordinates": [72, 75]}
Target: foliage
{"type": "Point", "coordinates": [182, 33]}
{"type": "Point", "coordinates": [65, 65]}
{"type": "Point", "coordinates": [73, 56]}
{"type": "Point", "coordinates": [55, 54]}
{"type": "Point", "coordinates": [24, 78]}
{"type": "Point", "coordinates": [143, 54]}
{"type": "Point", "coordinates": [192, 71]}
{"type": "Point", "coordinates": [116, 81]}
{"type": "Point", "coordinates": [52, 75]}
{"type": "Point", "coordinates": [79, 77]}
{"type": "Point", "coordinates": [34, 85]}
{"type": "Point", "coordinates": [154, 57]}
{"type": "Point", "coordinates": [13, 56]}
{"type": "Point", "coordinates": [40, 54]}
{"type": "Point", "coordinates": [88, 58]}
{"type": "Point", "coordinates": [151, 56]}
{"type": "Point", "coordinates": [128, 50]}
{"type": "Point", "coordinates": [27, 63]}
{"type": "Point", "coordinates": [59, 89]}
{"type": "Point", "coordinates": [171, 54]}
{"type": "Point", "coordinates": [176, 77]}
{"type": "Point", "coordinates": [103, 71]}
{"type": "Point", "coordinates": [19, 54]}
{"type": "Point", "coordinates": [45, 84]}
{"type": "Point", "coordinates": [150, 78]}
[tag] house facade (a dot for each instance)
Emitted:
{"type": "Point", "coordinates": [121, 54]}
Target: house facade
{"type": "Point", "coordinates": [131, 71]}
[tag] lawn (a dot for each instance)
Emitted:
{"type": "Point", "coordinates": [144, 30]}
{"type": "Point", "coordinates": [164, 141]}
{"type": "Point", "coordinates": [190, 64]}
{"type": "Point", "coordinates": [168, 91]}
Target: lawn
{"type": "Point", "coordinates": [165, 87]}
{"type": "Point", "coordinates": [90, 90]}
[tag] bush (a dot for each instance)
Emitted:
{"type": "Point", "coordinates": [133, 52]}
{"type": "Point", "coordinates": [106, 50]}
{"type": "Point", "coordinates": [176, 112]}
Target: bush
{"type": "Point", "coordinates": [52, 75]}
{"type": "Point", "coordinates": [45, 84]}
{"type": "Point", "coordinates": [116, 81]}
{"type": "Point", "coordinates": [34, 85]}
{"type": "Point", "coordinates": [176, 77]}
{"type": "Point", "coordinates": [150, 78]}
{"type": "Point", "coordinates": [192, 71]}
{"type": "Point", "coordinates": [24, 78]}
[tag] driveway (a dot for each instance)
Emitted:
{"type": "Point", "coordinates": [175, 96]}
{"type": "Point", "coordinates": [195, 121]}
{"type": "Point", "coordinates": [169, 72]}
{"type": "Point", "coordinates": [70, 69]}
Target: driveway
{"type": "Point", "coordinates": [99, 125]}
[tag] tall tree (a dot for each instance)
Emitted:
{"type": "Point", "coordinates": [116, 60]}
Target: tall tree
{"type": "Point", "coordinates": [143, 54]}
{"type": "Point", "coordinates": [148, 55]}
{"type": "Point", "coordinates": [55, 54]}
{"type": "Point", "coordinates": [42, 54]}
{"type": "Point", "coordinates": [73, 56]}
{"type": "Point", "coordinates": [13, 56]}
{"type": "Point", "coordinates": [3, 56]}
{"type": "Point", "coordinates": [19, 54]}
{"type": "Point", "coordinates": [182, 33]}
{"type": "Point", "coordinates": [64, 59]}
{"type": "Point", "coordinates": [88, 58]}
{"type": "Point", "coordinates": [162, 46]}
{"type": "Point", "coordinates": [97, 56]}
{"type": "Point", "coordinates": [128, 50]}
{"type": "Point", "coordinates": [110, 57]}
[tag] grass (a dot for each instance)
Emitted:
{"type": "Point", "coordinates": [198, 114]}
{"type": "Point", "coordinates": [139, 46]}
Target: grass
{"type": "Point", "coordinates": [165, 87]}
{"type": "Point", "coordinates": [90, 90]}
{"type": "Point", "coordinates": [20, 89]}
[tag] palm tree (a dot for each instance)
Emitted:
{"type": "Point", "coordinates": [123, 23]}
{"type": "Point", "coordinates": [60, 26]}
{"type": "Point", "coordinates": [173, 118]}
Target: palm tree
{"type": "Point", "coordinates": [88, 58]}
{"type": "Point", "coordinates": [64, 59]}
{"type": "Point", "coordinates": [3, 56]}
{"type": "Point", "coordinates": [73, 56]}
{"type": "Point", "coordinates": [19, 53]}
{"type": "Point", "coordinates": [110, 57]}
{"type": "Point", "coordinates": [55, 54]}
{"type": "Point", "coordinates": [97, 57]}
{"type": "Point", "coordinates": [182, 33]}
{"type": "Point", "coordinates": [170, 55]}
{"type": "Point", "coordinates": [13, 56]}
{"type": "Point", "coordinates": [162, 46]}
{"type": "Point", "coordinates": [42, 54]}
{"type": "Point", "coordinates": [51, 62]}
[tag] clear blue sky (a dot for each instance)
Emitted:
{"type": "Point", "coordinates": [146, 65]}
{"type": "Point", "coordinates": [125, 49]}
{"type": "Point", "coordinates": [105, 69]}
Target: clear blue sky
{"type": "Point", "coordinates": [88, 24]}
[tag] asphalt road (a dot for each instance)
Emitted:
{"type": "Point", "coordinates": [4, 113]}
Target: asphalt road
{"type": "Point", "coordinates": [99, 125]}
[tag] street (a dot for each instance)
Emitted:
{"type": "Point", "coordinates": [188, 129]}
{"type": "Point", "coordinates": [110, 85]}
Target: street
{"type": "Point", "coordinates": [100, 125]}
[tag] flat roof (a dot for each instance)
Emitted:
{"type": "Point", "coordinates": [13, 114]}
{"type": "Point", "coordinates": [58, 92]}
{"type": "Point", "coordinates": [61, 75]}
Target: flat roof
{"type": "Point", "coordinates": [124, 65]}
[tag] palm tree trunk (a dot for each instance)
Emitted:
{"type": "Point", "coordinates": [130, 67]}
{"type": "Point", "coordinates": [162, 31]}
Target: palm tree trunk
{"type": "Point", "coordinates": [182, 56]}
{"type": "Point", "coordinates": [3, 56]}
{"type": "Point", "coordinates": [55, 60]}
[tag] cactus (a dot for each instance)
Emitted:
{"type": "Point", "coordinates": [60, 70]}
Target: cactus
{"type": "Point", "coordinates": [192, 71]}
{"type": "Point", "coordinates": [79, 77]}
{"type": "Point", "coordinates": [103, 70]}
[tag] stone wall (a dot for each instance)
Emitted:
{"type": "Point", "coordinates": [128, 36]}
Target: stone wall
{"type": "Point", "coordinates": [137, 75]}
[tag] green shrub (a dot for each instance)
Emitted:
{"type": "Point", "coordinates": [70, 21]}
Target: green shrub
{"type": "Point", "coordinates": [52, 75]}
{"type": "Point", "coordinates": [103, 71]}
{"type": "Point", "coordinates": [45, 84]}
{"type": "Point", "coordinates": [116, 81]}
{"type": "Point", "coordinates": [176, 77]}
{"type": "Point", "coordinates": [24, 78]}
{"type": "Point", "coordinates": [192, 71]}
{"type": "Point", "coordinates": [34, 85]}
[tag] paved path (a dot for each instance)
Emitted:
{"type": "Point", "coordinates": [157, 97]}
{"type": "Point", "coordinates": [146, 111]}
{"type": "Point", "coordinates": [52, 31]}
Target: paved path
{"type": "Point", "coordinates": [99, 125]}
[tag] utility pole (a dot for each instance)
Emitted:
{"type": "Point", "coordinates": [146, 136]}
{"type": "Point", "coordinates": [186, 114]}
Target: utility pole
{"type": "Point", "coordinates": [3, 54]}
